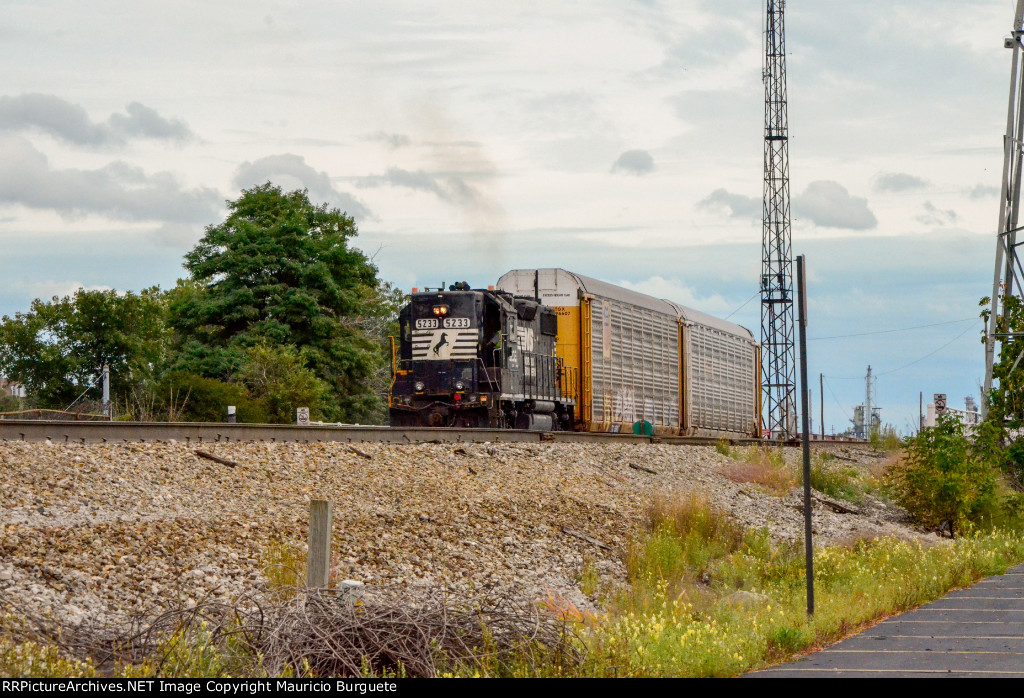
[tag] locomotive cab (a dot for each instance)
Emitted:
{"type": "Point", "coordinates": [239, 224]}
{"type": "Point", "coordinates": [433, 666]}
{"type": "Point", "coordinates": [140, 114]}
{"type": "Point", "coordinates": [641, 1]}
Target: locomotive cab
{"type": "Point", "coordinates": [478, 358]}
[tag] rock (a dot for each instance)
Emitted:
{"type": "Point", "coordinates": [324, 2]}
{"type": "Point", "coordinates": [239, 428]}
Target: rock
{"type": "Point", "coordinates": [747, 599]}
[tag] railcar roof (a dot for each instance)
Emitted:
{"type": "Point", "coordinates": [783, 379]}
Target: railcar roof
{"type": "Point", "coordinates": [625, 295]}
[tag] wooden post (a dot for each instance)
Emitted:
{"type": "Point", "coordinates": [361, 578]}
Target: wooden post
{"type": "Point", "coordinates": [318, 559]}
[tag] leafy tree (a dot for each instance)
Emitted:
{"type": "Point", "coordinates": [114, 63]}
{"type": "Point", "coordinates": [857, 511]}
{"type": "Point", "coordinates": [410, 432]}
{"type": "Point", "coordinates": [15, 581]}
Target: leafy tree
{"type": "Point", "coordinates": [187, 397]}
{"type": "Point", "coordinates": [943, 477]}
{"type": "Point", "coordinates": [279, 272]}
{"type": "Point", "coordinates": [58, 349]}
{"type": "Point", "coordinates": [279, 382]}
{"type": "Point", "coordinates": [1006, 401]}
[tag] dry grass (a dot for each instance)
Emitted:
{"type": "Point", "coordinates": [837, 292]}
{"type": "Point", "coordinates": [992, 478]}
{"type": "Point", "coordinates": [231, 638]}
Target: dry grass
{"type": "Point", "coordinates": [762, 466]}
{"type": "Point", "coordinates": [692, 513]}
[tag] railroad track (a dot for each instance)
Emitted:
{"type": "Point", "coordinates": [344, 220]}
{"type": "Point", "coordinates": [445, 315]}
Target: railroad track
{"type": "Point", "coordinates": [191, 432]}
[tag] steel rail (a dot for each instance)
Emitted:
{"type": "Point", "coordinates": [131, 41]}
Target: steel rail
{"type": "Point", "coordinates": [31, 430]}
{"type": "Point", "coordinates": [189, 432]}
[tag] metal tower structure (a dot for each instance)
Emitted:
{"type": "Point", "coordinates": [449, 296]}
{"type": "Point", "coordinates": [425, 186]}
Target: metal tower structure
{"type": "Point", "coordinates": [1008, 280]}
{"type": "Point", "coordinates": [778, 354]}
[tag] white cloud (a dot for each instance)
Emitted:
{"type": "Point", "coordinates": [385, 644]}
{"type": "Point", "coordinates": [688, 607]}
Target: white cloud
{"type": "Point", "coordinates": [676, 291]}
{"type": "Point", "coordinates": [896, 182]}
{"type": "Point", "coordinates": [737, 205]}
{"type": "Point", "coordinates": [290, 172]}
{"type": "Point", "coordinates": [829, 205]}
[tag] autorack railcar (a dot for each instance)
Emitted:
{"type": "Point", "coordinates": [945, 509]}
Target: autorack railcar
{"type": "Point", "coordinates": [550, 349]}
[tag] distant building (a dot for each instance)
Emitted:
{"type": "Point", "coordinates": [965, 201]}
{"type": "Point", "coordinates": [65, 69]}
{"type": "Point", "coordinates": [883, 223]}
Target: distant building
{"type": "Point", "coordinates": [970, 416]}
{"type": "Point", "coordinates": [11, 389]}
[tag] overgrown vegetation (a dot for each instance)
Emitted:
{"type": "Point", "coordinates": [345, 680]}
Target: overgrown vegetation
{"type": "Point", "coordinates": [944, 477]}
{"type": "Point", "coordinates": [682, 615]}
{"type": "Point", "coordinates": [886, 439]}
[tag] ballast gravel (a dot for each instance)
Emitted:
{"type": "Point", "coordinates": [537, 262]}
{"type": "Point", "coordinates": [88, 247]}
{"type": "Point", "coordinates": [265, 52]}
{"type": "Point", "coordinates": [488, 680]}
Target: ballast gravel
{"type": "Point", "coordinates": [96, 531]}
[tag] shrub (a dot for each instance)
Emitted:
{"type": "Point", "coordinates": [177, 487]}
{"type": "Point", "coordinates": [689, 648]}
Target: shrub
{"type": "Point", "coordinates": [886, 439]}
{"type": "Point", "coordinates": [943, 478]}
{"type": "Point", "coordinates": [195, 398]}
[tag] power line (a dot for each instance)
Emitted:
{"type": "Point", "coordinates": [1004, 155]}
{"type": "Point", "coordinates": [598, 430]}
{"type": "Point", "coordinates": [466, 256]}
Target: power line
{"type": "Point", "coordinates": [756, 294]}
{"type": "Point", "coordinates": [915, 361]}
{"type": "Point", "coordinates": [885, 373]}
{"type": "Point", "coordinates": [841, 408]}
{"type": "Point", "coordinates": [900, 329]}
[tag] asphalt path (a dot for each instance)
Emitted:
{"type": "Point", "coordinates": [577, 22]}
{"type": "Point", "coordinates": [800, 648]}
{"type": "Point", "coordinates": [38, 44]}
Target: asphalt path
{"type": "Point", "coordinates": [974, 632]}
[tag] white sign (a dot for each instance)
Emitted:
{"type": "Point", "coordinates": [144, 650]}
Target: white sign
{"type": "Point", "coordinates": [302, 416]}
{"type": "Point", "coordinates": [940, 403]}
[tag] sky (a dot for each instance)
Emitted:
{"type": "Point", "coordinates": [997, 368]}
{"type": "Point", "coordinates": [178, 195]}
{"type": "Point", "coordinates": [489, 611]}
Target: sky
{"type": "Point", "coordinates": [621, 140]}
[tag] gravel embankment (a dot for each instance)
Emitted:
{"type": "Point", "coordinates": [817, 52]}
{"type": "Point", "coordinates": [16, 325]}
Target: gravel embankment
{"type": "Point", "coordinates": [105, 529]}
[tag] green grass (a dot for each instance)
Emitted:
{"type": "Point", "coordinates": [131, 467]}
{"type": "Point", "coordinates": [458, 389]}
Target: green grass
{"type": "Point", "coordinates": [680, 617]}
{"type": "Point", "coordinates": [839, 481]}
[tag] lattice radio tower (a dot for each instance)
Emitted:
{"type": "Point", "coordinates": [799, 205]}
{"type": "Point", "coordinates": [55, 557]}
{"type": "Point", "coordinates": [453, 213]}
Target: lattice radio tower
{"type": "Point", "coordinates": [778, 355]}
{"type": "Point", "coordinates": [1008, 279]}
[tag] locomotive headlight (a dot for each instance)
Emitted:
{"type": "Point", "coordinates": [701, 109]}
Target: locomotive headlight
{"type": "Point", "coordinates": [418, 386]}
{"type": "Point", "coordinates": [440, 310]}
{"type": "Point", "coordinates": [460, 385]}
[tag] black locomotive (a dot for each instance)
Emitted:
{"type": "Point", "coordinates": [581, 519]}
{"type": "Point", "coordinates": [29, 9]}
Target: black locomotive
{"type": "Point", "coordinates": [479, 358]}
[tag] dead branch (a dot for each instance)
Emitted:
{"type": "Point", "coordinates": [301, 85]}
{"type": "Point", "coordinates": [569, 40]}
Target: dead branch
{"type": "Point", "coordinates": [216, 459]}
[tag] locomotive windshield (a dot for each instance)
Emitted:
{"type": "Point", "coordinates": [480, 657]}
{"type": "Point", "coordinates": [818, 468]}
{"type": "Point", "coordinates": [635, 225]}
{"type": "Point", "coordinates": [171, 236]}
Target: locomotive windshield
{"type": "Point", "coordinates": [444, 326]}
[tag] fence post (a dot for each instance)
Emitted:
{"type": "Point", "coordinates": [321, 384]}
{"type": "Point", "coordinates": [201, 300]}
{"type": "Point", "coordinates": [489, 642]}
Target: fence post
{"type": "Point", "coordinates": [318, 559]}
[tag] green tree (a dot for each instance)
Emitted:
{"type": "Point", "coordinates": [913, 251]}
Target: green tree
{"type": "Point", "coordinates": [58, 348]}
{"type": "Point", "coordinates": [943, 476]}
{"type": "Point", "coordinates": [1006, 400]}
{"type": "Point", "coordinates": [279, 382]}
{"type": "Point", "coordinates": [279, 271]}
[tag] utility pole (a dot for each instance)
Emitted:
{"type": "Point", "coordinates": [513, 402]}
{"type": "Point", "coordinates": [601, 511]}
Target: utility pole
{"type": "Point", "coordinates": [867, 407]}
{"type": "Point", "coordinates": [1008, 277]}
{"type": "Point", "coordinates": [821, 392]}
{"type": "Point", "coordinates": [778, 365]}
{"type": "Point", "coordinates": [106, 391]}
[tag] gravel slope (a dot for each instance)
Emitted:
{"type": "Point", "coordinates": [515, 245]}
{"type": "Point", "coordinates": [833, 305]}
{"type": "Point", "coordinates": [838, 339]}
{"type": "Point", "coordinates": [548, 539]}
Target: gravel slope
{"type": "Point", "coordinates": [95, 530]}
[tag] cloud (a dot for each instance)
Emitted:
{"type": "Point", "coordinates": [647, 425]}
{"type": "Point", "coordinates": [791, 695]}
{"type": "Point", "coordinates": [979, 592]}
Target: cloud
{"type": "Point", "coordinates": [144, 122]}
{"type": "Point", "coordinates": [391, 140]}
{"type": "Point", "coordinates": [737, 205]}
{"type": "Point", "coordinates": [635, 162]}
{"type": "Point", "coordinates": [118, 190]}
{"type": "Point", "coordinates": [982, 191]}
{"type": "Point", "coordinates": [292, 172]}
{"type": "Point", "coordinates": [70, 122]}
{"type": "Point", "coordinates": [451, 188]}
{"type": "Point", "coordinates": [677, 292]}
{"type": "Point", "coordinates": [58, 289]}
{"type": "Point", "coordinates": [935, 216]}
{"type": "Point", "coordinates": [829, 205]}
{"type": "Point", "coordinates": [898, 182]}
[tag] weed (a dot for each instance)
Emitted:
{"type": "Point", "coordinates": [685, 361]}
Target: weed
{"type": "Point", "coordinates": [589, 578]}
{"type": "Point", "coordinates": [722, 446]}
{"type": "Point", "coordinates": [762, 466]}
{"type": "Point", "coordinates": [284, 567]}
